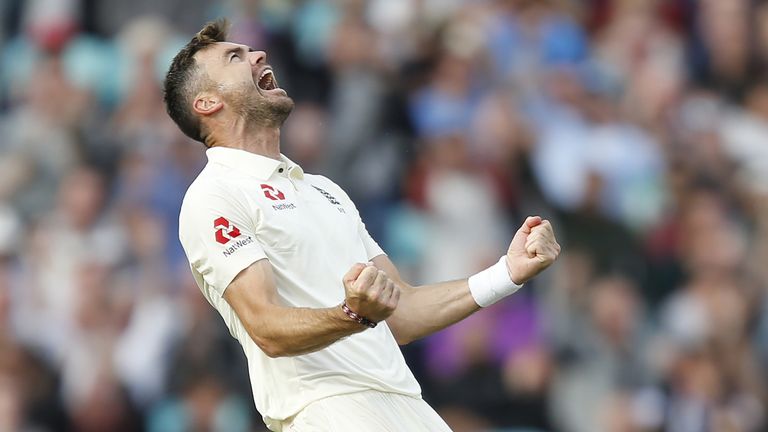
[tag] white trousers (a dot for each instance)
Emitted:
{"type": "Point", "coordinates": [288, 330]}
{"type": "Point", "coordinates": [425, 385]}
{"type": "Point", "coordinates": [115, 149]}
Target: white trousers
{"type": "Point", "coordinates": [368, 411]}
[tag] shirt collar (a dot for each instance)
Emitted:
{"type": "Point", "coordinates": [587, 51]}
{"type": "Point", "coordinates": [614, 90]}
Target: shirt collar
{"type": "Point", "coordinates": [254, 164]}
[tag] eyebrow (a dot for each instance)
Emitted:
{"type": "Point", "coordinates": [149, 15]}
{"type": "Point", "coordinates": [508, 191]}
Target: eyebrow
{"type": "Point", "coordinates": [237, 49]}
{"type": "Point", "coordinates": [230, 51]}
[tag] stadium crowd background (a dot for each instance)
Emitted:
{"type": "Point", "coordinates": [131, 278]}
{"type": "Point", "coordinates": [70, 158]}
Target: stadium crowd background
{"type": "Point", "coordinates": [639, 127]}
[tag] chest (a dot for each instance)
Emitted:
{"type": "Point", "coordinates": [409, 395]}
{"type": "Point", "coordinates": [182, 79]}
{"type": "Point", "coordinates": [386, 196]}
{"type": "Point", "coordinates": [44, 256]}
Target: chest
{"type": "Point", "coordinates": [302, 216]}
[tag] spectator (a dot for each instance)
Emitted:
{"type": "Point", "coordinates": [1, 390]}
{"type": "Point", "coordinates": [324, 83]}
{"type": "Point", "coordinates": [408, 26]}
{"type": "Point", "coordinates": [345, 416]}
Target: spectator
{"type": "Point", "coordinates": [638, 127]}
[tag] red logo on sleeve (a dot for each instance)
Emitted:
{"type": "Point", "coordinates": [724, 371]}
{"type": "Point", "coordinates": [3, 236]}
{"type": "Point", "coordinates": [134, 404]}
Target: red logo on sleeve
{"type": "Point", "coordinates": [225, 230]}
{"type": "Point", "coordinates": [272, 193]}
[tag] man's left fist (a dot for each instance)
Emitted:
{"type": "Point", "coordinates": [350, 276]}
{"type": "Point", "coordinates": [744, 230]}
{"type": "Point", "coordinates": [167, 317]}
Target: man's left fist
{"type": "Point", "coordinates": [532, 250]}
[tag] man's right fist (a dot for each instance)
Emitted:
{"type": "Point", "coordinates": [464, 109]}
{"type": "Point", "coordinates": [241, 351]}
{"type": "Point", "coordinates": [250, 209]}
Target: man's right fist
{"type": "Point", "coordinates": [370, 293]}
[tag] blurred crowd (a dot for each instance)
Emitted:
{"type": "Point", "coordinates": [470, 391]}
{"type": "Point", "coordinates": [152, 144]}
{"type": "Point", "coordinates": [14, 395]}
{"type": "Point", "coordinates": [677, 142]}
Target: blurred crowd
{"type": "Point", "coordinates": [638, 127]}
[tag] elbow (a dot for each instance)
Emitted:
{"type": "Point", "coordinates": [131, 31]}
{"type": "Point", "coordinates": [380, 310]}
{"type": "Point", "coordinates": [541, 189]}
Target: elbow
{"type": "Point", "coordinates": [403, 338]}
{"type": "Point", "coordinates": [271, 345]}
{"type": "Point", "coordinates": [271, 348]}
{"type": "Point", "coordinates": [402, 341]}
{"type": "Point", "coordinates": [274, 351]}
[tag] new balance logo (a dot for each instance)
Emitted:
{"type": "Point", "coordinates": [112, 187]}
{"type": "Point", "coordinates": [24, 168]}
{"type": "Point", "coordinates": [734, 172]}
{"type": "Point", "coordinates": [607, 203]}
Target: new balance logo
{"type": "Point", "coordinates": [327, 196]}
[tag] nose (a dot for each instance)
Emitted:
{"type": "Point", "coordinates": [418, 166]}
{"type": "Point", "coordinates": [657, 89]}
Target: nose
{"type": "Point", "coordinates": [257, 57]}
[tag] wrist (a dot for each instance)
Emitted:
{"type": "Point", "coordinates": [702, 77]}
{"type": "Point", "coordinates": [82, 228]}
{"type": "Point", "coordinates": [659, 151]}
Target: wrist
{"type": "Point", "coordinates": [514, 278]}
{"type": "Point", "coordinates": [493, 284]}
{"type": "Point", "coordinates": [354, 316]}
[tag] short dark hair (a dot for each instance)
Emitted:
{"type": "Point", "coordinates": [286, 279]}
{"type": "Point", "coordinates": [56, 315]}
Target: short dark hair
{"type": "Point", "coordinates": [182, 82]}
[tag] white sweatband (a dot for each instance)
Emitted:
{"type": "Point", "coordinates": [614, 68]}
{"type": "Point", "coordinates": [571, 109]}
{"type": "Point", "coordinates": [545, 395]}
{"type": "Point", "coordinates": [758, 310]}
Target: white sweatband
{"type": "Point", "coordinates": [492, 284]}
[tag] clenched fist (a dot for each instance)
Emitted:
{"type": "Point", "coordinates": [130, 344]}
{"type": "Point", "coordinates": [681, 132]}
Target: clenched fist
{"type": "Point", "coordinates": [370, 293]}
{"type": "Point", "coordinates": [533, 249]}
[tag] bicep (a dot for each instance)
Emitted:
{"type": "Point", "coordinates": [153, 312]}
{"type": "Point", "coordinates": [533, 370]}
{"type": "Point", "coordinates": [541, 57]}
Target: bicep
{"type": "Point", "coordinates": [252, 293]}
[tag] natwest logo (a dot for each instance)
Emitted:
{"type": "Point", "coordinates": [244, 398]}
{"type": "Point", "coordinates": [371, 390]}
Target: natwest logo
{"type": "Point", "coordinates": [225, 231]}
{"type": "Point", "coordinates": [272, 193]}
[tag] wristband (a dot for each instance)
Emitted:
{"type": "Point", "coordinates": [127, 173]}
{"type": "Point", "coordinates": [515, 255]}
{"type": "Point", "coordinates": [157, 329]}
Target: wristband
{"type": "Point", "coordinates": [355, 317]}
{"type": "Point", "coordinates": [492, 284]}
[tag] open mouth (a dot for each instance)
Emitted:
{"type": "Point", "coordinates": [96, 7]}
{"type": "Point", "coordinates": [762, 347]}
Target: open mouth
{"type": "Point", "coordinates": [267, 80]}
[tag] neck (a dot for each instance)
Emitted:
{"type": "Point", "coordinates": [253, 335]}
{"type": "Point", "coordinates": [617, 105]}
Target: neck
{"type": "Point", "coordinates": [262, 140]}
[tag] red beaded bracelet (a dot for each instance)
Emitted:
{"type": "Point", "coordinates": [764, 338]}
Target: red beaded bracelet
{"type": "Point", "coordinates": [355, 317]}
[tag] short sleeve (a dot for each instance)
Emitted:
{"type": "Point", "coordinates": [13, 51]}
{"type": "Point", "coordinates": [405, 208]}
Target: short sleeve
{"type": "Point", "coordinates": [372, 249]}
{"type": "Point", "coordinates": [218, 235]}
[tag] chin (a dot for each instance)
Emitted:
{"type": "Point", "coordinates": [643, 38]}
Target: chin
{"type": "Point", "coordinates": [284, 104]}
{"type": "Point", "coordinates": [278, 110]}
{"type": "Point", "coordinates": [270, 111]}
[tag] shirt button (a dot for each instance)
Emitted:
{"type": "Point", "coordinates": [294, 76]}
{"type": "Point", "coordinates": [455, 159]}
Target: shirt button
{"type": "Point", "coordinates": [280, 170]}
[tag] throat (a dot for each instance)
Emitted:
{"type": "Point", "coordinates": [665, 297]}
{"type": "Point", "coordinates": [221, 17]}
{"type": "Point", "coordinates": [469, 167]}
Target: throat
{"type": "Point", "coordinates": [262, 141]}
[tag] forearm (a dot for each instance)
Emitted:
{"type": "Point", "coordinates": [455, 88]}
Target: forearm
{"type": "Point", "coordinates": [430, 308]}
{"type": "Point", "coordinates": [285, 331]}
{"type": "Point", "coordinates": [426, 309]}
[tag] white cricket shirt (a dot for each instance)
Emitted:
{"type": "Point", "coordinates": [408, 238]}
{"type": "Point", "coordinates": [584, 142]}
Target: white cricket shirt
{"type": "Point", "coordinates": [244, 207]}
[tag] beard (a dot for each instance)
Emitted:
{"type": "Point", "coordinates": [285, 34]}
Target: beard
{"type": "Point", "coordinates": [257, 109]}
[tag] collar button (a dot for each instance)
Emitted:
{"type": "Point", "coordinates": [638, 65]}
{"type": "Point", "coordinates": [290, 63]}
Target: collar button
{"type": "Point", "coordinates": [280, 170]}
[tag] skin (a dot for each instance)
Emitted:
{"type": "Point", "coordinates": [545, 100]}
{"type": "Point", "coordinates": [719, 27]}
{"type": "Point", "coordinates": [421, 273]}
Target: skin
{"type": "Point", "coordinates": [235, 113]}
{"type": "Point", "coordinates": [426, 309]}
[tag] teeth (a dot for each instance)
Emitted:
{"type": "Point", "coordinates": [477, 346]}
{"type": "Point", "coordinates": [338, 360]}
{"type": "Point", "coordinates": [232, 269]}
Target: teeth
{"type": "Point", "coordinates": [266, 80]}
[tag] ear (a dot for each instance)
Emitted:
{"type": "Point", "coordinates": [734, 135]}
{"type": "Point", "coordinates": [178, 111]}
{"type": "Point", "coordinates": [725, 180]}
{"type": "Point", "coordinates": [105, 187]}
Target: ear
{"type": "Point", "coordinates": [206, 104]}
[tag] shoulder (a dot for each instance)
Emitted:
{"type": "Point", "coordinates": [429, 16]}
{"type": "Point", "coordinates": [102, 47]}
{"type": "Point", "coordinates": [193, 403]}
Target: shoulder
{"type": "Point", "coordinates": [210, 187]}
{"type": "Point", "coordinates": [201, 189]}
{"type": "Point", "coordinates": [317, 179]}
{"type": "Point", "coordinates": [210, 194]}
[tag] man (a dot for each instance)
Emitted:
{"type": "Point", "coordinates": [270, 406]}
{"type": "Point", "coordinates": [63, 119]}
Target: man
{"type": "Point", "coordinates": [285, 259]}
